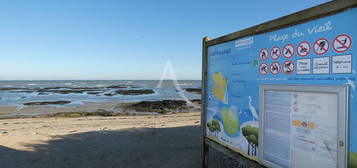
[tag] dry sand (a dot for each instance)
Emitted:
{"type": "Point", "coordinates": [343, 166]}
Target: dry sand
{"type": "Point", "coordinates": [151, 141]}
{"type": "Point", "coordinates": [16, 133]}
{"type": "Point", "coordinates": [127, 141]}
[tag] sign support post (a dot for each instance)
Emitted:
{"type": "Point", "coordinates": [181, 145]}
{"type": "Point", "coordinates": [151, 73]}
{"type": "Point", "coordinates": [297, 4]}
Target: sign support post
{"type": "Point", "coordinates": [205, 147]}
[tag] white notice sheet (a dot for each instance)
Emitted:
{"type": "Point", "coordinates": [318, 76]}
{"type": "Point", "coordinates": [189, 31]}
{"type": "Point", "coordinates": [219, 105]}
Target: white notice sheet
{"type": "Point", "coordinates": [300, 129]}
{"type": "Point", "coordinates": [277, 127]}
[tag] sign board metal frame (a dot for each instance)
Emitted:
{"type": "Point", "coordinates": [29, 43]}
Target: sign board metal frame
{"type": "Point", "coordinates": [304, 16]}
{"type": "Point", "coordinates": [342, 116]}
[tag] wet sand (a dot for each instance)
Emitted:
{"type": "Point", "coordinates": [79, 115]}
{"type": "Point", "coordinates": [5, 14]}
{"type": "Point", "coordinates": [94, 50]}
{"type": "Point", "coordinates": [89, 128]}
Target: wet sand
{"type": "Point", "coordinates": [42, 110]}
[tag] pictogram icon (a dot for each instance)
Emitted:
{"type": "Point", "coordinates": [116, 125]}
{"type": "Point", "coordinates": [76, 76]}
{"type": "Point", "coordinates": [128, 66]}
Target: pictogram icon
{"type": "Point", "coordinates": [275, 53]}
{"type": "Point", "coordinates": [342, 43]}
{"type": "Point", "coordinates": [288, 67]}
{"type": "Point", "coordinates": [263, 69]}
{"type": "Point", "coordinates": [321, 46]}
{"type": "Point", "coordinates": [288, 51]}
{"type": "Point", "coordinates": [303, 49]}
{"type": "Point", "coordinates": [275, 68]}
{"type": "Point", "coordinates": [263, 54]}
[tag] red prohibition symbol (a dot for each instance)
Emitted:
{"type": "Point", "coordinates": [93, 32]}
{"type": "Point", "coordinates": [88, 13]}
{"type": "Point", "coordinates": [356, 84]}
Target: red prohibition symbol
{"type": "Point", "coordinates": [263, 54]}
{"type": "Point", "coordinates": [288, 51]}
{"type": "Point", "coordinates": [288, 67]}
{"type": "Point", "coordinates": [275, 68]}
{"type": "Point", "coordinates": [275, 53]}
{"type": "Point", "coordinates": [263, 68]}
{"type": "Point", "coordinates": [342, 43]}
{"type": "Point", "coordinates": [321, 46]}
{"type": "Point", "coordinates": [303, 49]}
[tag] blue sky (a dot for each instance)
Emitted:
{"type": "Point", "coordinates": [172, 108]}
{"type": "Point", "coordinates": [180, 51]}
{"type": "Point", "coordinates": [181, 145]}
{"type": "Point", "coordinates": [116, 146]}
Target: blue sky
{"type": "Point", "coordinates": [120, 39]}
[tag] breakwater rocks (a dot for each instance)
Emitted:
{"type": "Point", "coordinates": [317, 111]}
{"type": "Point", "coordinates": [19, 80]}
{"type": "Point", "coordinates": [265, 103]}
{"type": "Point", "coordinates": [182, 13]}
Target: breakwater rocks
{"type": "Point", "coordinates": [117, 86]}
{"type": "Point", "coordinates": [196, 101]}
{"type": "Point", "coordinates": [194, 90]}
{"type": "Point", "coordinates": [68, 90]}
{"type": "Point", "coordinates": [47, 103]}
{"type": "Point", "coordinates": [120, 109]}
{"type": "Point", "coordinates": [163, 106]}
{"type": "Point", "coordinates": [99, 112]}
{"type": "Point", "coordinates": [135, 92]}
{"type": "Point", "coordinates": [9, 89]}
{"type": "Point", "coordinates": [131, 92]}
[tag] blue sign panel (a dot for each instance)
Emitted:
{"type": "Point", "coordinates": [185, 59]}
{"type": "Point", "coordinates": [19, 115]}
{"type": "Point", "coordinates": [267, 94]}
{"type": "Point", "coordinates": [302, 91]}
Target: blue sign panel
{"type": "Point", "coordinates": [319, 52]}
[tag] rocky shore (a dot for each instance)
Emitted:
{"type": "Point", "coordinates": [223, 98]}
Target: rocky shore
{"type": "Point", "coordinates": [194, 90]}
{"type": "Point", "coordinates": [81, 99]}
{"type": "Point", "coordinates": [55, 108]}
{"type": "Point", "coordinates": [130, 92]}
{"type": "Point", "coordinates": [47, 103]}
{"type": "Point", "coordinates": [137, 108]}
{"type": "Point", "coordinates": [164, 106]}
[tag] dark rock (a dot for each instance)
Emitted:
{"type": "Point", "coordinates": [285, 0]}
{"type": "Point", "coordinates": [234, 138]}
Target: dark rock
{"type": "Point", "coordinates": [26, 91]}
{"type": "Point", "coordinates": [109, 94]}
{"type": "Point", "coordinates": [47, 103]}
{"type": "Point", "coordinates": [88, 88]}
{"type": "Point", "coordinates": [59, 87]}
{"type": "Point", "coordinates": [163, 106]}
{"type": "Point", "coordinates": [71, 88]}
{"type": "Point", "coordinates": [117, 86]}
{"type": "Point", "coordinates": [68, 91]}
{"type": "Point", "coordinates": [135, 92]}
{"type": "Point", "coordinates": [94, 93]}
{"type": "Point", "coordinates": [197, 101]}
{"type": "Point", "coordinates": [5, 89]}
{"type": "Point", "coordinates": [78, 91]}
{"type": "Point", "coordinates": [99, 112]}
{"type": "Point", "coordinates": [194, 90]}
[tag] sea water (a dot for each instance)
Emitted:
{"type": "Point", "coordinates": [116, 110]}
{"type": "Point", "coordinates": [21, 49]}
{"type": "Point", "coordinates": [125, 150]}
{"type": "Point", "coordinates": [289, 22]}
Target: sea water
{"type": "Point", "coordinates": [28, 91]}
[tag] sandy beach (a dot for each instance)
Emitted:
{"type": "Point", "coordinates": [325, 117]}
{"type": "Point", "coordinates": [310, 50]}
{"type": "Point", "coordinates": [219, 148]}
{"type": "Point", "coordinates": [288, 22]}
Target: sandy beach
{"type": "Point", "coordinates": [36, 137]}
{"type": "Point", "coordinates": [127, 141]}
{"type": "Point", "coordinates": [13, 111]}
{"type": "Point", "coordinates": [166, 141]}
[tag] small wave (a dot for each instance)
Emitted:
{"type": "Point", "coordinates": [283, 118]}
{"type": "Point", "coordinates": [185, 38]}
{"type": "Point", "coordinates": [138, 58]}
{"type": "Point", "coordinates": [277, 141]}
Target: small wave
{"type": "Point", "coordinates": [184, 84]}
{"type": "Point", "coordinates": [68, 84]}
{"type": "Point", "coordinates": [32, 84]}
{"type": "Point", "coordinates": [19, 107]}
{"type": "Point", "coordinates": [8, 86]}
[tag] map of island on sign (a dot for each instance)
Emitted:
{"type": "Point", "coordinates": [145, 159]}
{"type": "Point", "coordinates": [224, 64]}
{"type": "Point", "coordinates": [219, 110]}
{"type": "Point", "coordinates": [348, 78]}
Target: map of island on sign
{"type": "Point", "coordinates": [230, 121]}
{"type": "Point", "coordinates": [219, 88]}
